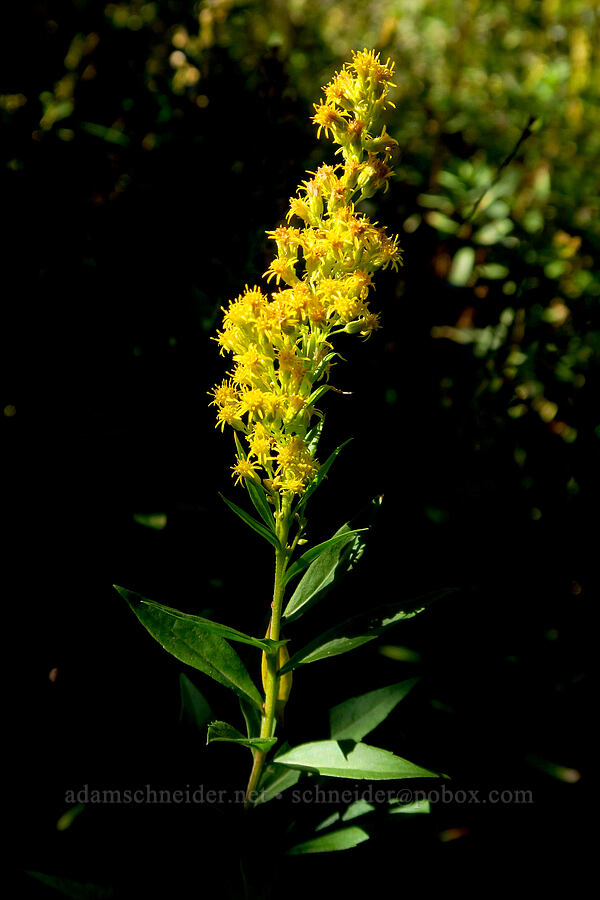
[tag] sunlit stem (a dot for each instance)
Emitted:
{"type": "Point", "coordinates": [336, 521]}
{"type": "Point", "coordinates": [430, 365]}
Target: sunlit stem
{"type": "Point", "coordinates": [267, 727]}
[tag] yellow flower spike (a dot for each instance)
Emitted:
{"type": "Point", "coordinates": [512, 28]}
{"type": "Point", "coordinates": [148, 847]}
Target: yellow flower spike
{"type": "Point", "coordinates": [278, 343]}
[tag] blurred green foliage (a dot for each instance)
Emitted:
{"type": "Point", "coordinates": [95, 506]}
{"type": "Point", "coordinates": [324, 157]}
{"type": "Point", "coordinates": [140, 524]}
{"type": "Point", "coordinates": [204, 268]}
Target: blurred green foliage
{"type": "Point", "coordinates": [499, 173]}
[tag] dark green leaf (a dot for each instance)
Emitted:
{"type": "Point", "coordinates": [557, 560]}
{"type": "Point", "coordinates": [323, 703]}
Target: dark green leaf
{"type": "Point", "coordinates": [343, 839]}
{"type": "Point", "coordinates": [359, 630]}
{"type": "Point", "coordinates": [74, 889]}
{"type": "Point", "coordinates": [231, 634]}
{"type": "Point", "coordinates": [324, 571]}
{"type": "Point", "coordinates": [304, 561]}
{"type": "Point", "coordinates": [261, 505]}
{"type": "Point", "coordinates": [195, 711]}
{"type": "Point", "coordinates": [264, 532]}
{"type": "Point", "coordinates": [346, 759]}
{"type": "Point", "coordinates": [221, 731]}
{"type": "Point", "coordinates": [201, 649]}
{"type": "Point", "coordinates": [321, 474]}
{"type": "Point", "coordinates": [358, 716]}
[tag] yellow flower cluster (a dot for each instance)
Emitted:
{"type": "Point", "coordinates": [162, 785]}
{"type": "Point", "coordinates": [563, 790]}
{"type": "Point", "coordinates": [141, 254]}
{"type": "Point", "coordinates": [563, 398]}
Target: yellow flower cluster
{"type": "Point", "coordinates": [323, 272]}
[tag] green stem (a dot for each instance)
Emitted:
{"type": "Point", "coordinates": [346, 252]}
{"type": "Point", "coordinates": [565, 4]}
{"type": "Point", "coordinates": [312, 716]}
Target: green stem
{"type": "Point", "coordinates": [267, 726]}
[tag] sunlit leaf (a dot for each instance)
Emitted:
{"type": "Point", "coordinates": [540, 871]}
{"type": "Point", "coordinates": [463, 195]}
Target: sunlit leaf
{"type": "Point", "coordinates": [358, 716]}
{"type": "Point", "coordinates": [343, 839]}
{"type": "Point", "coordinates": [347, 759]}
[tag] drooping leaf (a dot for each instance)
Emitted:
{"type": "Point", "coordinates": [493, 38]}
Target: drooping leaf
{"type": "Point", "coordinates": [231, 634]}
{"type": "Point", "coordinates": [195, 711]}
{"type": "Point", "coordinates": [321, 474]}
{"type": "Point", "coordinates": [346, 759]}
{"type": "Point", "coordinates": [221, 731]}
{"type": "Point", "coordinates": [342, 839]}
{"type": "Point", "coordinates": [329, 566]}
{"type": "Point", "coordinates": [203, 650]}
{"type": "Point", "coordinates": [264, 532]}
{"type": "Point", "coordinates": [360, 630]}
{"type": "Point", "coordinates": [304, 561]}
{"type": "Point", "coordinates": [358, 716]}
{"type": "Point", "coordinates": [76, 890]}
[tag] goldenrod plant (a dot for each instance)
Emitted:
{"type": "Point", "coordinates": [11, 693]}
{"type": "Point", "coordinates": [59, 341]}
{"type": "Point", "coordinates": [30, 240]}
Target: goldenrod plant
{"type": "Point", "coordinates": [282, 350]}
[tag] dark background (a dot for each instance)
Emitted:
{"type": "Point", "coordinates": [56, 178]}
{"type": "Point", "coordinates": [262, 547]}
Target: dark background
{"type": "Point", "coordinates": [117, 259]}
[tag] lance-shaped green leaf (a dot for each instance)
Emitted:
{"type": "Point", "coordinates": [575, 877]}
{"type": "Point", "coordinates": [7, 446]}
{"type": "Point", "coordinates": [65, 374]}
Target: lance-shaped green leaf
{"type": "Point", "coordinates": [346, 759]}
{"type": "Point", "coordinates": [221, 731]}
{"type": "Point", "coordinates": [195, 711]}
{"type": "Point", "coordinates": [316, 395]}
{"type": "Point", "coordinates": [342, 554]}
{"type": "Point", "coordinates": [358, 716]}
{"type": "Point", "coordinates": [304, 561]}
{"type": "Point", "coordinates": [342, 839]}
{"type": "Point", "coordinates": [359, 630]}
{"type": "Point", "coordinates": [276, 779]}
{"type": "Point", "coordinates": [197, 647]}
{"type": "Point", "coordinates": [321, 474]}
{"type": "Point", "coordinates": [231, 634]}
{"type": "Point", "coordinates": [264, 532]}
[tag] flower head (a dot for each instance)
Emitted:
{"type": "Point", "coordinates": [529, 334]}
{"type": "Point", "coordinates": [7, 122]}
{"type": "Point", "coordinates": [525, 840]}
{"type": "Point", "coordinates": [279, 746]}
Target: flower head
{"type": "Point", "coordinates": [281, 345]}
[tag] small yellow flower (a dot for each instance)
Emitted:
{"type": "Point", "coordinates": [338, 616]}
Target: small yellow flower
{"type": "Point", "coordinates": [244, 469]}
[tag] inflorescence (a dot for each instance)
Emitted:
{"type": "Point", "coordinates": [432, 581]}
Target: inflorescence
{"type": "Point", "coordinates": [323, 270]}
